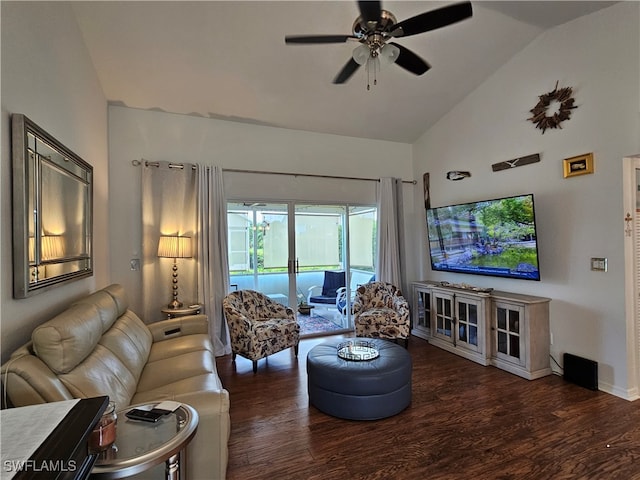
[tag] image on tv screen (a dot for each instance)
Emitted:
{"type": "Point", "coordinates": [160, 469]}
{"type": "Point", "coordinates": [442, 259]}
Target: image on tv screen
{"type": "Point", "coordinates": [493, 237]}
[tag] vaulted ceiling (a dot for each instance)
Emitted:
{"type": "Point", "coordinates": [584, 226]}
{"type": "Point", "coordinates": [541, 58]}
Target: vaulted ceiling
{"type": "Point", "coordinates": [228, 60]}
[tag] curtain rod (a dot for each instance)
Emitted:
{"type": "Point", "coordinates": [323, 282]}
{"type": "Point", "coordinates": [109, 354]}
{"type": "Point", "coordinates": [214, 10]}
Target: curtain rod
{"type": "Point", "coordinates": [136, 163]}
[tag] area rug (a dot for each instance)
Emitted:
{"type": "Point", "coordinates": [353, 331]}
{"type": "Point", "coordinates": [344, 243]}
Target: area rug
{"type": "Point", "coordinates": [316, 325]}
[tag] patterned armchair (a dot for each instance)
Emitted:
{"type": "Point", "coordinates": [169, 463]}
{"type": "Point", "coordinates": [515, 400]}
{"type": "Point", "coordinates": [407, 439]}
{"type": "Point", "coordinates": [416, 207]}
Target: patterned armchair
{"type": "Point", "coordinates": [259, 326]}
{"type": "Point", "coordinates": [381, 311]}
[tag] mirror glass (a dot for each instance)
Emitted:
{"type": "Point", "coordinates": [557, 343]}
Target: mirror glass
{"type": "Point", "coordinates": [52, 206]}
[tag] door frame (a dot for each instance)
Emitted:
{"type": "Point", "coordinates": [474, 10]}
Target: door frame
{"type": "Point", "coordinates": [631, 231]}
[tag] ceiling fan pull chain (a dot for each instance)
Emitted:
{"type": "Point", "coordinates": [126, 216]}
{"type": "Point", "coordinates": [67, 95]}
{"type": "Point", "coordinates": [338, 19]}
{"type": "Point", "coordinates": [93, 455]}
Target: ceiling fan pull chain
{"type": "Point", "coordinates": [375, 69]}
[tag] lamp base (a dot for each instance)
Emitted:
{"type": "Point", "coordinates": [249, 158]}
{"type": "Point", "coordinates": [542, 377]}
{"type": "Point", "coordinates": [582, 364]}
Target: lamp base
{"type": "Point", "coordinates": [175, 304]}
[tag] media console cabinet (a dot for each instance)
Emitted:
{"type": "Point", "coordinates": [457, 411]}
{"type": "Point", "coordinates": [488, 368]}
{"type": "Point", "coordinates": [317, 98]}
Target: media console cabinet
{"type": "Point", "coordinates": [507, 330]}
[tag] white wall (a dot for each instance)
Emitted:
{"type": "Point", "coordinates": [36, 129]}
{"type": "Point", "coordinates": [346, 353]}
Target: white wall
{"type": "Point", "coordinates": [48, 76]}
{"type": "Point", "coordinates": [158, 136]}
{"type": "Point", "coordinates": [578, 218]}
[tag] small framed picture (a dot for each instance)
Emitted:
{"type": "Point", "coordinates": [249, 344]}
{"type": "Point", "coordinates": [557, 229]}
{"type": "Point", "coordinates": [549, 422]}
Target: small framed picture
{"type": "Point", "coordinates": [580, 165]}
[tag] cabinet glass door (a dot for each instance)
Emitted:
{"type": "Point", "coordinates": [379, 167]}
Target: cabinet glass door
{"type": "Point", "coordinates": [467, 329]}
{"type": "Point", "coordinates": [444, 316]}
{"type": "Point", "coordinates": [509, 341]}
{"type": "Point", "coordinates": [423, 313]}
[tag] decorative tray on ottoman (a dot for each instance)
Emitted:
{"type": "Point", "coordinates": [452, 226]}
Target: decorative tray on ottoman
{"type": "Point", "coordinates": [357, 350]}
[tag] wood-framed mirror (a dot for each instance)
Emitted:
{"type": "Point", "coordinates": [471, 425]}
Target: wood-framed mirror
{"type": "Point", "coordinates": [52, 211]}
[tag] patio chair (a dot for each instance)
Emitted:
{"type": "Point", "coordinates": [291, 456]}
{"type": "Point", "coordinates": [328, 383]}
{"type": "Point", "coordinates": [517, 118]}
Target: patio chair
{"type": "Point", "coordinates": [326, 295]}
{"type": "Point", "coordinates": [259, 326]}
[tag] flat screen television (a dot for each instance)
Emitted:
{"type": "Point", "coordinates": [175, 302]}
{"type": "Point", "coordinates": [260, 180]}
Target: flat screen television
{"type": "Point", "coordinates": [491, 237]}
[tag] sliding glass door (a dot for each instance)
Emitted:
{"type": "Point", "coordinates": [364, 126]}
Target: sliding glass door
{"type": "Point", "coordinates": [303, 253]}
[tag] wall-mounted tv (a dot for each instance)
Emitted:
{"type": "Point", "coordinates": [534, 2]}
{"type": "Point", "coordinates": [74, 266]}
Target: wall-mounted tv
{"type": "Point", "coordinates": [491, 237]}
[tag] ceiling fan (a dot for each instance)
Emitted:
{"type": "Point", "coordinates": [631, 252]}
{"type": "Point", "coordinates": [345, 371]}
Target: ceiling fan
{"type": "Point", "coordinates": [374, 29]}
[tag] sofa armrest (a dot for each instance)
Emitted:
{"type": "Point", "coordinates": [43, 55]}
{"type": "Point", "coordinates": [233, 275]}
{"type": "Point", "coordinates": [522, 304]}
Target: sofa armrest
{"type": "Point", "coordinates": [177, 327]}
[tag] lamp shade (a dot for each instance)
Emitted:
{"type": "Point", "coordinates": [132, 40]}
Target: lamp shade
{"type": "Point", "coordinates": [51, 247]}
{"type": "Point", "coordinates": [174, 247]}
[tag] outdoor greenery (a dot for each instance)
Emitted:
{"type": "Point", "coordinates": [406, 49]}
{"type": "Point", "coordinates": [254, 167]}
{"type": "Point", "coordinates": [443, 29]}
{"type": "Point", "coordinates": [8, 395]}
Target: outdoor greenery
{"type": "Point", "coordinates": [511, 257]}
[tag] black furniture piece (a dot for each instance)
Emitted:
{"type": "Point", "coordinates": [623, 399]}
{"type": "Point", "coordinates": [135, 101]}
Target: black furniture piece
{"type": "Point", "coordinates": [359, 389]}
{"type": "Point", "coordinates": [64, 454]}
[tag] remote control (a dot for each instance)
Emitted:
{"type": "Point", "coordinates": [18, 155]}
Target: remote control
{"type": "Point", "coordinates": [145, 415]}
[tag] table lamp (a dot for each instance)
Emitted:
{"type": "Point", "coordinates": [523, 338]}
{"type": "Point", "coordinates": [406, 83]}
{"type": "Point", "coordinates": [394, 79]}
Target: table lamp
{"type": "Point", "coordinates": [174, 247]}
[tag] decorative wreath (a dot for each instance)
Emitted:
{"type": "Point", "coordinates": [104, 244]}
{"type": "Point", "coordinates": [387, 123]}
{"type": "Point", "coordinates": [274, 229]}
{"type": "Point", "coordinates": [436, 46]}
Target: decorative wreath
{"type": "Point", "coordinates": [544, 121]}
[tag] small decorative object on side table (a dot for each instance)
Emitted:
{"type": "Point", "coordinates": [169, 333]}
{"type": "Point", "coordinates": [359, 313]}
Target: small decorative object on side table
{"type": "Point", "coordinates": [182, 312]}
{"type": "Point", "coordinates": [141, 445]}
{"type": "Point", "coordinates": [305, 309]}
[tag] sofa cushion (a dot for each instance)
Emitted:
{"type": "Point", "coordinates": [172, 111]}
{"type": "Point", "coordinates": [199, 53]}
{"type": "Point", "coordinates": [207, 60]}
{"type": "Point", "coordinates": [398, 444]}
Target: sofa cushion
{"type": "Point", "coordinates": [169, 370]}
{"type": "Point", "coordinates": [130, 340]}
{"type": "Point", "coordinates": [206, 382]}
{"type": "Point", "coordinates": [108, 308]}
{"type": "Point", "coordinates": [101, 373]}
{"type": "Point", "coordinates": [67, 339]}
{"type": "Point", "coordinates": [173, 347]}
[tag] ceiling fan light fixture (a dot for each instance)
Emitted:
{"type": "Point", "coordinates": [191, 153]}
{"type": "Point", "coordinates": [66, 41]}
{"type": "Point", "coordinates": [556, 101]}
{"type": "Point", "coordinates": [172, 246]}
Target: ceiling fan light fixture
{"type": "Point", "coordinates": [389, 54]}
{"type": "Point", "coordinates": [361, 54]}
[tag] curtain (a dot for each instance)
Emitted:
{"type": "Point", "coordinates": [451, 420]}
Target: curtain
{"type": "Point", "coordinates": [390, 232]}
{"type": "Point", "coordinates": [168, 208]}
{"type": "Point", "coordinates": [213, 261]}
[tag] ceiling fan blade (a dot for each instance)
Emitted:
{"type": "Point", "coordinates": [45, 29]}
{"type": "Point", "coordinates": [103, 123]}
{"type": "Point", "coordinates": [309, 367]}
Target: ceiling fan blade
{"type": "Point", "coordinates": [410, 61]}
{"type": "Point", "coordinates": [432, 20]}
{"type": "Point", "coordinates": [345, 74]}
{"type": "Point", "coordinates": [306, 39]}
{"type": "Point", "coordinates": [370, 11]}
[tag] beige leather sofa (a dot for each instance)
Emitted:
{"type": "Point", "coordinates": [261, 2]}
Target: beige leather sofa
{"type": "Point", "coordinates": [99, 347]}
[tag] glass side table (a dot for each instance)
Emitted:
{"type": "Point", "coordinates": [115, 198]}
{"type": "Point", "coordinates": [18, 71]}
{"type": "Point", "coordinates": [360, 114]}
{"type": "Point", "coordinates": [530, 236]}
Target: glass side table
{"type": "Point", "coordinates": [183, 311]}
{"type": "Point", "coordinates": [140, 445]}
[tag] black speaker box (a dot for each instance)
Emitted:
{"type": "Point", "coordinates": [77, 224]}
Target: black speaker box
{"type": "Point", "coordinates": [581, 371]}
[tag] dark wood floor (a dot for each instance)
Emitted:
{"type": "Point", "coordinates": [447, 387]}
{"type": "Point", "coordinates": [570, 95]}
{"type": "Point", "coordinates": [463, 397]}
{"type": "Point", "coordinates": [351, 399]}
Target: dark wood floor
{"type": "Point", "coordinates": [465, 421]}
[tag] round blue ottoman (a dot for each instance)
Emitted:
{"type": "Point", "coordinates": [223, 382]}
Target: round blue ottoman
{"type": "Point", "coordinates": [359, 390]}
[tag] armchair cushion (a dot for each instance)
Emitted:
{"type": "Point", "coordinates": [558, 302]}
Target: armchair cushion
{"type": "Point", "coordinates": [332, 282]}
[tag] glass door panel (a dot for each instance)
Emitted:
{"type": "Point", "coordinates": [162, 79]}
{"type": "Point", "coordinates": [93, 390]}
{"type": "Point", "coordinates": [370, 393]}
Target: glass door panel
{"type": "Point", "coordinates": [444, 316]}
{"type": "Point", "coordinates": [320, 257]}
{"type": "Point", "coordinates": [509, 341]}
{"type": "Point", "coordinates": [361, 254]}
{"type": "Point", "coordinates": [259, 248]}
{"type": "Point", "coordinates": [424, 309]}
{"type": "Point", "coordinates": [468, 323]}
